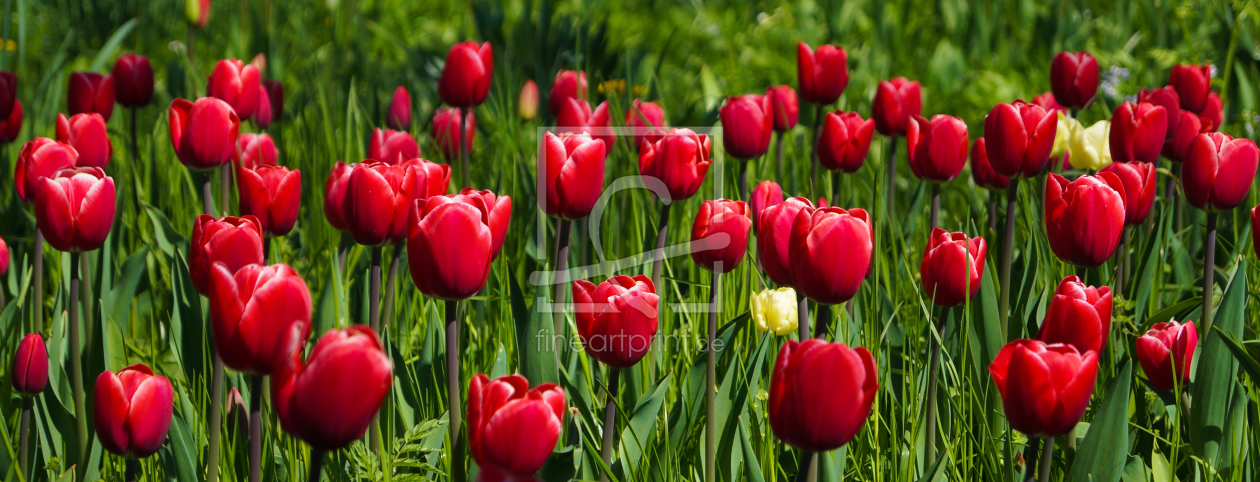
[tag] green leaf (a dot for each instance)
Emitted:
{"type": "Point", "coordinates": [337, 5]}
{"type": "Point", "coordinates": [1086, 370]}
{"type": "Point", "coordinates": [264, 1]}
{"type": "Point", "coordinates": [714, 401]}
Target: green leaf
{"type": "Point", "coordinates": [1135, 471]}
{"type": "Point", "coordinates": [936, 470]}
{"type": "Point", "coordinates": [107, 50]}
{"type": "Point", "coordinates": [1216, 371]}
{"type": "Point", "coordinates": [752, 469]}
{"type": "Point", "coordinates": [1248, 364]}
{"type": "Point", "coordinates": [534, 338]}
{"type": "Point", "coordinates": [179, 455]}
{"type": "Point", "coordinates": [636, 435]}
{"type": "Point", "coordinates": [1102, 454]}
{"type": "Point", "coordinates": [168, 238]}
{"type": "Point", "coordinates": [1170, 312]}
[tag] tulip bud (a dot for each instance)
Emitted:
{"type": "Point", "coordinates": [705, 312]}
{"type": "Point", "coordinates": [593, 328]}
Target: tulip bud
{"type": "Point", "coordinates": [133, 80]}
{"type": "Point", "coordinates": [1047, 102]}
{"type": "Point", "coordinates": [1079, 316]}
{"type": "Point", "coordinates": [808, 372]}
{"type": "Point", "coordinates": [392, 147]}
{"type": "Point", "coordinates": [616, 320]}
{"type": "Point", "coordinates": [1139, 189]}
{"type": "Point", "coordinates": [896, 101]}
{"type": "Point", "coordinates": [1166, 352]}
{"type": "Point", "coordinates": [1085, 217]}
{"type": "Point", "coordinates": [1218, 171]}
{"type": "Point", "coordinates": [452, 240]}
{"type": "Point", "coordinates": [573, 173]}
{"type": "Point", "coordinates": [1090, 149]}
{"type": "Point", "coordinates": [1030, 373]}
{"type": "Point", "coordinates": [132, 411]}
{"type": "Point", "coordinates": [262, 109]}
{"type": "Point", "coordinates": [568, 84]}
{"type": "Point", "coordinates": [465, 79]}
{"type": "Point", "coordinates": [1137, 132]}
{"type": "Point", "coordinates": [86, 133]}
{"type": "Point", "coordinates": [230, 241]}
{"type": "Point", "coordinates": [379, 197]}
{"type": "Point", "coordinates": [90, 92]}
{"type": "Point", "coordinates": [822, 75]}
{"type": "Point", "coordinates": [981, 172]}
{"type": "Point", "coordinates": [399, 115]}
{"type": "Point", "coordinates": [719, 236]}
{"type": "Point", "coordinates": [746, 126]}
{"type": "Point", "coordinates": [775, 310]}
{"type": "Point", "coordinates": [30, 362]}
{"type": "Point", "coordinates": [4, 257]}
{"type": "Point", "coordinates": [641, 118]}
{"type": "Point", "coordinates": [335, 195]}
{"type": "Point", "coordinates": [764, 195]}
{"type": "Point", "coordinates": [445, 131]}
{"type": "Point", "coordinates": [1074, 78]}
{"type": "Point", "coordinates": [8, 93]}
{"type": "Point", "coordinates": [527, 104]}
{"type": "Point", "coordinates": [774, 236]}
{"type": "Point", "coordinates": [203, 133]}
{"type": "Point", "coordinates": [1213, 114]}
{"type": "Point", "coordinates": [1188, 127]}
{"type": "Point", "coordinates": [1020, 138]}
{"type": "Point", "coordinates": [830, 253]}
{"type": "Point", "coordinates": [350, 360]}
{"type": "Point", "coordinates": [197, 12]}
{"type": "Point", "coordinates": [11, 127]}
{"type": "Point", "coordinates": [75, 209]}
{"type": "Point", "coordinates": [237, 415]}
{"type": "Point", "coordinates": [844, 142]}
{"type": "Point", "coordinates": [938, 149]}
{"type": "Point", "coordinates": [271, 193]}
{"type": "Point", "coordinates": [679, 159]}
{"type": "Point", "coordinates": [237, 84]}
{"type": "Point", "coordinates": [952, 266]}
{"type": "Point", "coordinates": [252, 309]}
{"type": "Point", "coordinates": [577, 114]}
{"type": "Point", "coordinates": [1193, 83]}
{"type": "Point", "coordinates": [255, 150]}
{"type": "Point", "coordinates": [40, 158]}
{"type": "Point", "coordinates": [275, 92]}
{"type": "Point", "coordinates": [783, 107]}
{"type": "Point", "coordinates": [512, 429]}
{"type": "Point", "coordinates": [1167, 98]}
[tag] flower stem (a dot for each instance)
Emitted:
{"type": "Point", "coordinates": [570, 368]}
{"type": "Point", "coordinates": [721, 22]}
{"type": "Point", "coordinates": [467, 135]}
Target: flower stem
{"type": "Point", "coordinates": [1047, 459]}
{"type": "Point", "coordinates": [562, 264]}
{"type": "Point", "coordinates": [374, 295]}
{"type": "Point", "coordinates": [453, 395]}
{"type": "Point", "coordinates": [76, 365]}
{"type": "Point", "coordinates": [802, 316]}
{"type": "Point", "coordinates": [808, 472]}
{"type": "Point", "coordinates": [1122, 274]}
{"type": "Point", "coordinates": [992, 214]}
{"type": "Point", "coordinates": [207, 196]}
{"type": "Point", "coordinates": [225, 187]}
{"type": "Point", "coordinates": [1209, 269]}
{"type": "Point", "coordinates": [463, 147]}
{"type": "Point", "coordinates": [38, 283]}
{"type": "Point", "coordinates": [813, 151]}
{"type": "Point", "coordinates": [132, 470]}
{"type": "Point", "coordinates": [822, 313]}
{"type": "Point", "coordinates": [778, 163]}
{"type": "Point", "coordinates": [610, 421]}
{"type": "Point", "coordinates": [216, 418]}
{"type": "Point", "coordinates": [936, 204]}
{"type": "Point", "coordinates": [317, 465]}
{"type": "Point", "coordinates": [835, 188]}
{"type": "Point", "coordinates": [255, 427]}
{"type": "Point", "coordinates": [662, 228]}
{"type": "Point", "coordinates": [743, 180]}
{"type": "Point", "coordinates": [710, 394]}
{"type": "Point", "coordinates": [892, 179]}
{"type": "Point", "coordinates": [1008, 245]}
{"type": "Point", "coordinates": [23, 435]}
{"type": "Point", "coordinates": [388, 295]}
{"type": "Point", "coordinates": [934, 369]}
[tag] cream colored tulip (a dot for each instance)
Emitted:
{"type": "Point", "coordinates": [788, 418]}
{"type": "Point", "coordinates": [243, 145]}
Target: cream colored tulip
{"type": "Point", "coordinates": [775, 310]}
{"type": "Point", "coordinates": [1090, 147]}
{"type": "Point", "coordinates": [1061, 135]}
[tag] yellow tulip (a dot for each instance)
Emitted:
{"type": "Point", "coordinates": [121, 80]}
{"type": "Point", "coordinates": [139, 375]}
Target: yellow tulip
{"type": "Point", "coordinates": [1090, 147]}
{"type": "Point", "coordinates": [775, 310]}
{"type": "Point", "coordinates": [1061, 135]}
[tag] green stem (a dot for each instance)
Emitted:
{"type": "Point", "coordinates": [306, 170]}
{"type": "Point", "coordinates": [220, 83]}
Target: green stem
{"type": "Point", "coordinates": [936, 204]}
{"type": "Point", "coordinates": [562, 264]}
{"type": "Point", "coordinates": [255, 427]}
{"type": "Point", "coordinates": [813, 151]}
{"type": "Point", "coordinates": [38, 283]}
{"type": "Point", "coordinates": [317, 465]}
{"type": "Point", "coordinates": [802, 317]}
{"type": "Point", "coordinates": [24, 435]}
{"type": "Point", "coordinates": [808, 472]}
{"type": "Point", "coordinates": [463, 146]}
{"type": "Point", "coordinates": [710, 394]}
{"type": "Point", "coordinates": [132, 470]}
{"type": "Point", "coordinates": [933, 374]}
{"type": "Point", "coordinates": [453, 392]}
{"type": "Point", "coordinates": [610, 421]}
{"type": "Point", "coordinates": [76, 365]}
{"type": "Point", "coordinates": [1047, 459]}
{"type": "Point", "coordinates": [1008, 246]}
{"type": "Point", "coordinates": [662, 228]}
{"type": "Point", "coordinates": [1209, 269]}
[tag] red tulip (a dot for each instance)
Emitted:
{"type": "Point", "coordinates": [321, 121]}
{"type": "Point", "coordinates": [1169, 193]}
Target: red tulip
{"type": "Point", "coordinates": [896, 101]}
{"type": "Point", "coordinates": [275, 92]}
{"type": "Point", "coordinates": [1218, 171]}
{"type": "Point", "coordinates": [1193, 83]}
{"type": "Point", "coordinates": [764, 195]}
{"type": "Point", "coordinates": [237, 415]}
{"type": "Point", "coordinates": [830, 252]}
{"type": "Point", "coordinates": [1165, 351]}
{"type": "Point", "coordinates": [86, 133]}
{"type": "Point", "coordinates": [90, 92]}
{"type": "Point", "coordinates": [822, 75]}
{"type": "Point", "coordinates": [1255, 238]}
{"type": "Point", "coordinates": [746, 126]}
{"type": "Point", "coordinates": [335, 195]}
{"type": "Point", "coordinates": [952, 266]}
{"type": "Point", "coordinates": [1085, 217]}
{"type": "Point", "coordinates": [132, 411]}
{"type": "Point", "coordinates": [1019, 137]}
{"type": "Point", "coordinates": [1047, 102]}
{"type": "Point", "coordinates": [133, 80]}
{"type": "Point", "coordinates": [1045, 388]}
{"type": "Point", "coordinates": [643, 117]}
{"type": "Point", "coordinates": [329, 400]}
{"type": "Point", "coordinates": [272, 194]}
{"type": "Point", "coordinates": [1079, 316]}
{"type": "Point", "coordinates": [527, 105]}
{"type": "Point", "coordinates": [1213, 114]}
{"type": "Point", "coordinates": [399, 115]}
{"type": "Point", "coordinates": [262, 109]}
{"type": "Point", "coordinates": [573, 173]}
{"type": "Point", "coordinates": [203, 133]}
{"type": "Point", "coordinates": [1074, 78]}
{"type": "Point", "coordinates": [252, 309]}
{"type": "Point", "coordinates": [783, 107]}
{"type": "Point", "coordinates": [981, 172]}
{"type": "Point", "coordinates": [392, 147]}
{"type": "Point", "coordinates": [237, 84]}
{"type": "Point", "coordinates": [445, 131]}
{"type": "Point", "coordinates": [512, 428]}
{"type": "Point", "coordinates": [40, 158]}
{"type": "Point", "coordinates": [719, 236]}
{"type": "Point", "coordinates": [1188, 127]}
{"type": "Point", "coordinates": [1165, 97]}
{"type": "Point", "coordinates": [577, 114]}
{"type": "Point", "coordinates": [379, 196]}
{"type": "Point", "coordinates": [1138, 179]}
{"type": "Point", "coordinates": [568, 84]}
{"type": "Point", "coordinates": [452, 240]}
{"type": "Point", "coordinates": [197, 12]}
{"type": "Point", "coordinates": [4, 257]}
{"type": "Point", "coordinates": [30, 365]}
{"type": "Point", "coordinates": [845, 140]}
{"type": "Point", "coordinates": [821, 394]}
{"type": "Point", "coordinates": [679, 159]}
{"type": "Point", "coordinates": [938, 149]}
{"type": "Point", "coordinates": [466, 76]}
{"type": "Point", "coordinates": [1137, 132]}
{"type": "Point", "coordinates": [255, 150]}
{"type": "Point", "coordinates": [8, 93]}
{"type": "Point", "coordinates": [11, 127]}
{"type": "Point", "coordinates": [231, 241]}
{"type": "Point", "coordinates": [774, 238]}
{"type": "Point", "coordinates": [616, 320]}
{"type": "Point", "coordinates": [75, 209]}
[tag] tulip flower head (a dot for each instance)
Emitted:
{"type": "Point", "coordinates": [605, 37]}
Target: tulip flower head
{"type": "Point", "coordinates": [1218, 171]}
{"type": "Point", "coordinates": [335, 195]}
{"type": "Point", "coordinates": [568, 84]}
{"type": "Point", "coordinates": [617, 319]}
{"type": "Point", "coordinates": [453, 239]}
{"type": "Point", "coordinates": [379, 197]}
{"type": "Point", "coordinates": [86, 133]}
{"type": "Point", "coordinates": [783, 107]}
{"type": "Point", "coordinates": [1090, 149]}
{"type": "Point", "coordinates": [1074, 78]}
{"type": "Point", "coordinates": [465, 79]}
{"type": "Point", "coordinates": [275, 93]}
{"type": "Point", "coordinates": [573, 174]}
{"type": "Point", "coordinates": [774, 237]}
{"type": "Point", "coordinates": [643, 118]}
{"type": "Point", "coordinates": [512, 428]}
{"type": "Point", "coordinates": [1137, 132]}
{"type": "Point", "coordinates": [952, 266]}
{"type": "Point", "coordinates": [1193, 83]}
{"type": "Point", "coordinates": [527, 105]}
{"type": "Point", "coordinates": [75, 209]}
{"type": "Point", "coordinates": [11, 127]}
{"type": "Point", "coordinates": [40, 158]}
{"type": "Point", "coordinates": [262, 115]}
{"type": "Point", "coordinates": [392, 147]}
{"type": "Point", "coordinates": [679, 159]}
{"type": "Point", "coordinates": [1167, 98]}
{"type": "Point", "coordinates": [1255, 236]}
{"type": "Point", "coordinates": [1085, 217]}
{"type": "Point", "coordinates": [764, 195]}
{"type": "Point", "coordinates": [747, 123]}
{"type": "Point", "coordinates": [237, 84]}
{"type": "Point", "coordinates": [1178, 145]}
{"type": "Point", "coordinates": [844, 142]}
{"type": "Point", "coordinates": [1047, 102]}
{"type": "Point", "coordinates": [197, 12]}
{"type": "Point", "coordinates": [399, 115]}
{"type": "Point", "coordinates": [234, 242]}
{"type": "Point", "coordinates": [775, 310]}
{"type": "Point", "coordinates": [1139, 189]}
{"type": "Point", "coordinates": [1166, 352]}
{"type": "Point", "coordinates": [719, 237]}
{"type": "Point", "coordinates": [252, 309]}
{"type": "Point", "coordinates": [5, 258]}
{"type": "Point", "coordinates": [255, 150]}
{"type": "Point", "coordinates": [132, 411]}
{"type": "Point", "coordinates": [90, 92]}
{"type": "Point", "coordinates": [271, 193]}
{"type": "Point", "coordinates": [830, 252]}
{"type": "Point", "coordinates": [808, 372]}
{"type": "Point", "coordinates": [1045, 388]}
{"type": "Point", "coordinates": [203, 133]}
{"type": "Point", "coordinates": [8, 93]}
{"type": "Point", "coordinates": [445, 131]}
{"type": "Point", "coordinates": [1020, 138]}
{"type": "Point", "coordinates": [1079, 316]}
{"type": "Point", "coordinates": [896, 102]}
{"type": "Point", "coordinates": [822, 75]}
{"type": "Point", "coordinates": [133, 80]}
{"type": "Point", "coordinates": [29, 373]}
{"type": "Point", "coordinates": [981, 172]}
{"type": "Point", "coordinates": [938, 148]}
{"type": "Point", "coordinates": [1213, 113]}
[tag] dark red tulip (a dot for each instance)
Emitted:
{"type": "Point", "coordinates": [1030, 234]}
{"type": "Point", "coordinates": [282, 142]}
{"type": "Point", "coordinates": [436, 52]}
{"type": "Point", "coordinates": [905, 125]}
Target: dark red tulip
{"type": "Point", "coordinates": [252, 309]}
{"type": "Point", "coordinates": [719, 236]}
{"type": "Point", "coordinates": [11, 127]}
{"type": "Point", "coordinates": [783, 107]}
{"type": "Point", "coordinates": [938, 148]}
{"type": "Point", "coordinates": [1213, 114]}
{"type": "Point", "coordinates": [845, 140]}
{"type": "Point", "coordinates": [568, 84]}
{"type": "Point", "coordinates": [1255, 238]}
{"type": "Point", "coordinates": [75, 209]}
{"type": "Point", "coordinates": [133, 80]}
{"type": "Point", "coordinates": [275, 92]}
{"type": "Point", "coordinates": [203, 133]}
{"type": "Point", "coordinates": [573, 174]}
{"type": "Point", "coordinates": [814, 416]}
{"type": "Point", "coordinates": [86, 133]}
{"type": "Point", "coordinates": [1047, 102]}
{"type": "Point", "coordinates": [231, 241]}
{"type": "Point", "coordinates": [236, 83]}
{"type": "Point", "coordinates": [641, 118]}
{"type": "Point", "coordinates": [262, 109]}
{"type": "Point", "coordinates": [512, 428]}
{"type": "Point", "coordinates": [830, 253]}
{"type": "Point", "coordinates": [1167, 98]}
{"type": "Point", "coordinates": [1079, 316]}
{"type": "Point", "coordinates": [8, 92]}
{"type": "Point", "coordinates": [821, 75]}
{"type": "Point", "coordinates": [1188, 127]}
{"type": "Point", "coordinates": [329, 400]}
{"type": "Point", "coordinates": [1084, 218]}
{"type": "Point", "coordinates": [40, 158]}
{"type": "Point", "coordinates": [1166, 353]}
{"type": "Point", "coordinates": [445, 131]}
{"type": "Point", "coordinates": [452, 240]}
{"type": "Point", "coordinates": [30, 364]}
{"type": "Point", "coordinates": [896, 101]}
{"type": "Point", "coordinates": [4, 257]}
{"type": "Point", "coordinates": [1218, 171]}
{"type": "Point", "coordinates": [774, 238]}
{"type": "Point", "coordinates": [465, 79]}
{"type": "Point", "coordinates": [271, 193]}
{"type": "Point", "coordinates": [132, 411]}
{"type": "Point", "coordinates": [679, 159]}
{"type": "Point", "coordinates": [1139, 188]}
{"type": "Point", "coordinates": [1045, 388]}
{"type": "Point", "coordinates": [379, 197]}
{"type": "Point", "coordinates": [335, 195]}
{"type": "Point", "coordinates": [981, 172]}
{"type": "Point", "coordinates": [255, 150]}
{"type": "Point", "coordinates": [1193, 83]}
{"type": "Point", "coordinates": [399, 115]}
{"type": "Point", "coordinates": [577, 114]}
{"type": "Point", "coordinates": [617, 319]}
{"type": "Point", "coordinates": [764, 195]}
{"type": "Point", "coordinates": [1137, 132]}
{"type": "Point", "coordinates": [746, 126]}
{"type": "Point", "coordinates": [1019, 138]}
{"type": "Point", "coordinates": [952, 266]}
{"type": "Point", "coordinates": [392, 147]}
{"type": "Point", "coordinates": [1074, 78]}
{"type": "Point", "coordinates": [90, 92]}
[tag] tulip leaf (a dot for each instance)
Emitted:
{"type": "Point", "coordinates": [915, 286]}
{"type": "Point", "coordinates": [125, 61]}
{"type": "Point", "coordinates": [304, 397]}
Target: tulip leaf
{"type": "Point", "coordinates": [1146, 272]}
{"type": "Point", "coordinates": [534, 338]}
{"type": "Point", "coordinates": [693, 386]}
{"type": "Point", "coordinates": [107, 50]}
{"type": "Point", "coordinates": [752, 469]}
{"type": "Point", "coordinates": [936, 470]}
{"type": "Point", "coordinates": [831, 464]}
{"type": "Point", "coordinates": [179, 455]}
{"type": "Point", "coordinates": [1104, 451]}
{"type": "Point", "coordinates": [1248, 364]}
{"type": "Point", "coordinates": [1171, 312]}
{"type": "Point", "coordinates": [1135, 471]}
{"type": "Point", "coordinates": [1216, 371]}
{"type": "Point", "coordinates": [187, 328]}
{"type": "Point", "coordinates": [636, 435]}
{"type": "Point", "coordinates": [168, 238]}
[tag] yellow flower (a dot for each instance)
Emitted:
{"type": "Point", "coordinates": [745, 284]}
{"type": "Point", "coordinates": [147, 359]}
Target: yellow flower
{"type": "Point", "coordinates": [775, 310]}
{"type": "Point", "coordinates": [1089, 147]}
{"type": "Point", "coordinates": [1061, 135]}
